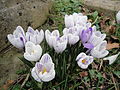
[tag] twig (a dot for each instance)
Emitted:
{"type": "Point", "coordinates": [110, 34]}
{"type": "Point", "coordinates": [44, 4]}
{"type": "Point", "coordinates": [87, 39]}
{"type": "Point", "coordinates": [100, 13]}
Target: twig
{"type": "Point", "coordinates": [113, 79]}
{"type": "Point", "coordinates": [25, 80]}
{"type": "Point", "coordinates": [101, 65]}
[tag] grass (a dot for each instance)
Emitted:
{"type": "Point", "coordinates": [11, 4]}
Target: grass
{"type": "Point", "coordinates": [104, 76]}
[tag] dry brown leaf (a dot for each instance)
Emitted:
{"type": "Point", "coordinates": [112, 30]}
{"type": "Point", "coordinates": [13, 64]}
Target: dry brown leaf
{"type": "Point", "coordinates": [112, 45]}
{"type": "Point", "coordinates": [110, 29]}
{"type": "Point", "coordinates": [8, 83]}
{"type": "Point", "coordinates": [114, 37]}
{"type": "Point", "coordinates": [84, 74]}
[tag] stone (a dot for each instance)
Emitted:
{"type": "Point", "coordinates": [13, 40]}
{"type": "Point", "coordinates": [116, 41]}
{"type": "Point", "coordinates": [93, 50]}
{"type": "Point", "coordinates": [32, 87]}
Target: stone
{"type": "Point", "coordinates": [108, 7]}
{"type": "Point", "coordinates": [9, 65]}
{"type": "Point", "coordinates": [21, 12]}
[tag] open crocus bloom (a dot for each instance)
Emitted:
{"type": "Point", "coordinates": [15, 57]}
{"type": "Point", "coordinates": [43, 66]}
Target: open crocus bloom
{"type": "Point", "coordinates": [32, 51]}
{"type": "Point", "coordinates": [72, 35]}
{"type": "Point", "coordinates": [17, 39]}
{"type": "Point", "coordinates": [44, 69]}
{"type": "Point", "coordinates": [100, 50]}
{"type": "Point", "coordinates": [60, 44]}
{"type": "Point", "coordinates": [50, 37]}
{"type": "Point", "coordinates": [34, 35]}
{"type": "Point", "coordinates": [96, 38]}
{"type": "Point", "coordinates": [83, 60]}
{"type": "Point", "coordinates": [112, 58]}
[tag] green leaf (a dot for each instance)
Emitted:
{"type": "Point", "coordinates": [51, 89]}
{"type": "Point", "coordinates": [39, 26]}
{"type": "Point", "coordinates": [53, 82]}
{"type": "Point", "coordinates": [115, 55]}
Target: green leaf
{"type": "Point", "coordinates": [26, 62]}
{"type": "Point", "coordinates": [95, 14]}
{"type": "Point", "coordinates": [16, 87]}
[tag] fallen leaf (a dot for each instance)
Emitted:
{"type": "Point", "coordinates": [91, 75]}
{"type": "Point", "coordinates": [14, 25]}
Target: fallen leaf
{"type": "Point", "coordinates": [84, 74]}
{"type": "Point", "coordinates": [114, 37]}
{"type": "Point", "coordinates": [8, 83]}
{"type": "Point", "coordinates": [110, 29]}
{"type": "Point", "coordinates": [112, 45]}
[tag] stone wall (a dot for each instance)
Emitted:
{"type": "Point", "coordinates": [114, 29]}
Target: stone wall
{"type": "Point", "coordinates": [21, 12]}
{"type": "Point", "coordinates": [108, 7]}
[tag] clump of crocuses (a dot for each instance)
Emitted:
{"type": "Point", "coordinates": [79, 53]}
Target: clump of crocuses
{"type": "Point", "coordinates": [78, 30]}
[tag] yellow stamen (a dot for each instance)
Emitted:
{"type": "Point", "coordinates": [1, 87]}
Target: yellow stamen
{"type": "Point", "coordinates": [83, 61]}
{"type": "Point", "coordinates": [44, 70]}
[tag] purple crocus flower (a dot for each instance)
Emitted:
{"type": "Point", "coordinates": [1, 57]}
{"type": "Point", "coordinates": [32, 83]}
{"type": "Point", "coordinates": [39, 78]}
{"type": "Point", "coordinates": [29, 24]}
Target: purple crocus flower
{"type": "Point", "coordinates": [85, 36]}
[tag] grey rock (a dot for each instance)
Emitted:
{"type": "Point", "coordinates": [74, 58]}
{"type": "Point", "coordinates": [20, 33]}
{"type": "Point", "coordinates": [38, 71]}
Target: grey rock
{"type": "Point", "coordinates": [108, 7]}
{"type": "Point", "coordinates": [9, 65]}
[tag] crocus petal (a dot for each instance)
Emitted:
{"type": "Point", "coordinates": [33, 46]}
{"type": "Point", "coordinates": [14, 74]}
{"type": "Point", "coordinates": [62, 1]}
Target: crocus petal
{"type": "Point", "coordinates": [15, 41]}
{"type": "Point", "coordinates": [60, 47]}
{"type": "Point", "coordinates": [55, 33]}
{"type": "Point", "coordinates": [88, 45]}
{"type": "Point", "coordinates": [48, 77]}
{"type": "Point", "coordinates": [69, 21]}
{"type": "Point", "coordinates": [72, 39]}
{"type": "Point", "coordinates": [40, 37]}
{"type": "Point", "coordinates": [112, 58]}
{"type": "Point", "coordinates": [18, 30]}
{"type": "Point", "coordinates": [45, 58]}
{"type": "Point", "coordinates": [81, 65]}
{"type": "Point", "coordinates": [51, 37]}
{"type": "Point", "coordinates": [60, 44]}
{"type": "Point", "coordinates": [34, 75]}
{"type": "Point", "coordinates": [81, 55]}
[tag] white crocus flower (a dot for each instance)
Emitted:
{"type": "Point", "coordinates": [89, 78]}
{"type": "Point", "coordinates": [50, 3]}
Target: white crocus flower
{"type": "Point", "coordinates": [34, 35]}
{"type": "Point", "coordinates": [118, 17]}
{"type": "Point", "coordinates": [50, 37]}
{"type": "Point", "coordinates": [76, 18]}
{"type": "Point", "coordinates": [60, 44]}
{"type": "Point", "coordinates": [72, 35]}
{"type": "Point", "coordinates": [32, 51]}
{"type": "Point", "coordinates": [17, 39]}
{"type": "Point", "coordinates": [112, 58]}
{"type": "Point", "coordinates": [83, 60]}
{"type": "Point", "coordinates": [100, 50]}
{"type": "Point", "coordinates": [96, 38]}
{"type": "Point", "coordinates": [44, 69]}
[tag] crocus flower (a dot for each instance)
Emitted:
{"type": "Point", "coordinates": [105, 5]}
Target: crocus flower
{"type": "Point", "coordinates": [96, 38]}
{"type": "Point", "coordinates": [76, 18]}
{"type": "Point", "coordinates": [118, 17]}
{"type": "Point", "coordinates": [85, 37]}
{"type": "Point", "coordinates": [17, 39]}
{"type": "Point", "coordinates": [50, 37]}
{"type": "Point", "coordinates": [60, 44]}
{"type": "Point", "coordinates": [44, 69]}
{"type": "Point", "coordinates": [112, 58]}
{"type": "Point", "coordinates": [32, 51]}
{"type": "Point", "coordinates": [100, 50]}
{"type": "Point", "coordinates": [72, 35]}
{"type": "Point", "coordinates": [34, 35]}
{"type": "Point", "coordinates": [84, 60]}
